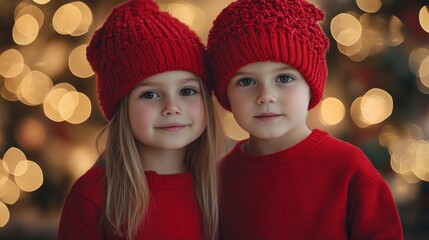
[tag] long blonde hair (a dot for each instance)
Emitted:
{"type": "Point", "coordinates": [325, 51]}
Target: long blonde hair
{"type": "Point", "coordinates": [127, 197]}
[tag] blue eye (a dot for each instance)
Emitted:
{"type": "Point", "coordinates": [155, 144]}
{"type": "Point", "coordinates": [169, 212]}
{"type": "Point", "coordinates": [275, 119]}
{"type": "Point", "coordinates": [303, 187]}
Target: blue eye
{"type": "Point", "coordinates": [149, 95]}
{"type": "Point", "coordinates": [187, 92]}
{"type": "Point", "coordinates": [245, 82]}
{"type": "Point", "coordinates": [283, 78]}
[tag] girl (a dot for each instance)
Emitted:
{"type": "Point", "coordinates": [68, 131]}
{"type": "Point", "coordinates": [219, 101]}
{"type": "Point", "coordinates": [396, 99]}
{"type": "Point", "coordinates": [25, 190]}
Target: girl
{"type": "Point", "coordinates": [287, 181]}
{"type": "Point", "coordinates": [156, 178]}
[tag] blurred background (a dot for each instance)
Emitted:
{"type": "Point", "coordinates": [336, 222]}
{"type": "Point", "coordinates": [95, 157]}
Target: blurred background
{"type": "Point", "coordinates": [376, 97]}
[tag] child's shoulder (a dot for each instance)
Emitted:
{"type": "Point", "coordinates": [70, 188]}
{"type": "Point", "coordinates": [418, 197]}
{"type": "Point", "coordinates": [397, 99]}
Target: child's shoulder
{"type": "Point", "coordinates": [340, 146]}
{"type": "Point", "coordinates": [91, 185]}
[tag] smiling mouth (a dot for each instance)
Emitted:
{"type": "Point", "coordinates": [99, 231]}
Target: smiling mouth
{"type": "Point", "coordinates": [172, 127]}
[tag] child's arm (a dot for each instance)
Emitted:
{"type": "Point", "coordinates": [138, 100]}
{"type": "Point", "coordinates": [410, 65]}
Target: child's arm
{"type": "Point", "coordinates": [372, 212]}
{"type": "Point", "coordinates": [81, 219]}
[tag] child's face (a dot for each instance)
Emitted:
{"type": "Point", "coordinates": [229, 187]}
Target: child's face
{"type": "Point", "coordinates": [269, 100]}
{"type": "Point", "coordinates": [166, 110]}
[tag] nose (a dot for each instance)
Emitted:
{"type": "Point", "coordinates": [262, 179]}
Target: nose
{"type": "Point", "coordinates": [266, 95]}
{"type": "Point", "coordinates": [171, 107]}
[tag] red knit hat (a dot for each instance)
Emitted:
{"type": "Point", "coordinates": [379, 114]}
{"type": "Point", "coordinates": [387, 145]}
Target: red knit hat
{"type": "Point", "coordinates": [287, 31]}
{"type": "Point", "coordinates": [136, 41]}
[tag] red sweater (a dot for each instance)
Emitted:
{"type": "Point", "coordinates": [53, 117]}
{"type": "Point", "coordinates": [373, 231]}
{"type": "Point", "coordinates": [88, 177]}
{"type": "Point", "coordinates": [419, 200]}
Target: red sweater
{"type": "Point", "coordinates": [173, 209]}
{"type": "Point", "coordinates": [321, 188]}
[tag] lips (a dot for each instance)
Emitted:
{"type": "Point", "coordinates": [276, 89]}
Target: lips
{"type": "Point", "coordinates": [267, 116]}
{"type": "Point", "coordinates": [172, 127]}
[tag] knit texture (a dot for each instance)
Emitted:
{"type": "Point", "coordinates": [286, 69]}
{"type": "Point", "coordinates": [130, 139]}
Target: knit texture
{"type": "Point", "coordinates": [321, 188]}
{"type": "Point", "coordinates": [287, 31]}
{"type": "Point", "coordinates": [173, 211]}
{"type": "Point", "coordinates": [136, 41]}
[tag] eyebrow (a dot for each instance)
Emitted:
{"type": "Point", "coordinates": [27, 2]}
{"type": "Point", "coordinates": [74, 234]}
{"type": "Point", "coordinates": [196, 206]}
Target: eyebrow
{"type": "Point", "coordinates": [273, 70]}
{"type": "Point", "coordinates": [157, 83]}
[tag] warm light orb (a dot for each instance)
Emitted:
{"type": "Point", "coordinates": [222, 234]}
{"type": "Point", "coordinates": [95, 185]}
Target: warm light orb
{"type": "Point", "coordinates": [34, 88]}
{"type": "Point", "coordinates": [402, 156]}
{"type": "Point", "coordinates": [41, 2]}
{"type": "Point", "coordinates": [332, 111]}
{"type": "Point", "coordinates": [25, 30]}
{"type": "Point", "coordinates": [32, 10]}
{"type": "Point", "coordinates": [12, 84]}
{"type": "Point", "coordinates": [424, 68]}
{"type": "Point", "coordinates": [388, 135]}
{"type": "Point", "coordinates": [12, 157]}
{"type": "Point", "coordinates": [86, 19]}
{"type": "Point", "coordinates": [369, 6]}
{"type": "Point", "coordinates": [356, 113]}
{"type": "Point", "coordinates": [78, 63]}
{"type": "Point", "coordinates": [346, 29]}
{"type": "Point", "coordinates": [424, 18]}
{"type": "Point", "coordinates": [31, 179]}
{"type": "Point", "coordinates": [4, 172]}
{"type": "Point", "coordinates": [67, 19]}
{"type": "Point", "coordinates": [395, 30]}
{"type": "Point", "coordinates": [82, 108]}
{"type": "Point", "coordinates": [416, 58]}
{"type": "Point", "coordinates": [232, 129]}
{"type": "Point", "coordinates": [189, 14]}
{"type": "Point", "coordinates": [11, 63]}
{"type": "Point", "coordinates": [4, 214]}
{"type": "Point", "coordinates": [51, 105]}
{"type": "Point", "coordinates": [376, 106]}
{"type": "Point", "coordinates": [75, 107]}
{"type": "Point", "coordinates": [9, 192]}
{"type": "Point", "coordinates": [421, 165]}
{"type": "Point", "coordinates": [351, 50]}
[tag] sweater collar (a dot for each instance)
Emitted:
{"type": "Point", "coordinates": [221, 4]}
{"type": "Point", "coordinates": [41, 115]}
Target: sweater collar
{"type": "Point", "coordinates": [260, 161]}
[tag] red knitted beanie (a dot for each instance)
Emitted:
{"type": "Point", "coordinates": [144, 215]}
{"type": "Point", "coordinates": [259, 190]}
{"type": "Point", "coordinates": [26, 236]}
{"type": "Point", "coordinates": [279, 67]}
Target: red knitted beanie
{"type": "Point", "coordinates": [287, 31]}
{"type": "Point", "coordinates": [136, 41]}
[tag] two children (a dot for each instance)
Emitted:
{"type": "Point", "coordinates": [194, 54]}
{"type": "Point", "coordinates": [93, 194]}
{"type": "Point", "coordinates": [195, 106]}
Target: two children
{"type": "Point", "coordinates": [286, 181]}
{"type": "Point", "coordinates": [156, 178]}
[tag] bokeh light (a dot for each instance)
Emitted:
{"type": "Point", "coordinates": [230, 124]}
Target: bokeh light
{"type": "Point", "coordinates": [34, 87]}
{"type": "Point", "coordinates": [424, 18]}
{"type": "Point", "coordinates": [28, 9]}
{"type": "Point", "coordinates": [25, 30]}
{"type": "Point", "coordinates": [376, 106]}
{"type": "Point", "coordinates": [41, 1]}
{"type": "Point", "coordinates": [346, 29]}
{"type": "Point", "coordinates": [188, 13]}
{"type": "Point", "coordinates": [12, 158]}
{"type": "Point", "coordinates": [4, 214]}
{"type": "Point", "coordinates": [51, 105]}
{"type": "Point", "coordinates": [11, 63]}
{"type": "Point", "coordinates": [67, 19]}
{"type": "Point", "coordinates": [332, 111]}
{"type": "Point", "coordinates": [30, 179]}
{"type": "Point", "coordinates": [232, 129]}
{"type": "Point", "coordinates": [85, 20]}
{"type": "Point", "coordinates": [78, 63]}
{"type": "Point", "coordinates": [369, 6]}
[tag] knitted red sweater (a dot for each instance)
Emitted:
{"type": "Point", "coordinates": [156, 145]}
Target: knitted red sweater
{"type": "Point", "coordinates": [173, 210]}
{"type": "Point", "coordinates": [321, 188]}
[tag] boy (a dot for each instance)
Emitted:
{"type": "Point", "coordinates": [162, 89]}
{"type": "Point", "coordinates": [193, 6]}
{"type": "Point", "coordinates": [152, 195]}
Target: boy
{"type": "Point", "coordinates": [268, 67]}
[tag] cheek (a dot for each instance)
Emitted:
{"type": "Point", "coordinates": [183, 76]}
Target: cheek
{"type": "Point", "coordinates": [197, 111]}
{"type": "Point", "coordinates": [236, 98]}
{"type": "Point", "coordinates": [139, 117]}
